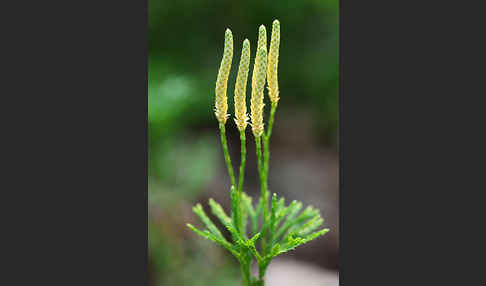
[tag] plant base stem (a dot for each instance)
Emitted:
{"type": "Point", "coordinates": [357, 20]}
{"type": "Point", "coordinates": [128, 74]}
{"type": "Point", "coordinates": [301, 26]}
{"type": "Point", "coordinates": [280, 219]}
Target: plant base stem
{"type": "Point", "coordinates": [245, 274]}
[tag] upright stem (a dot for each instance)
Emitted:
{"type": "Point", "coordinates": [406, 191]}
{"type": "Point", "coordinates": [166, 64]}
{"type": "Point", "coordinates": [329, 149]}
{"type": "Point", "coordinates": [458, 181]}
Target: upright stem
{"type": "Point", "coordinates": [264, 191]}
{"type": "Point", "coordinates": [245, 274]}
{"type": "Point", "coordinates": [266, 138]}
{"type": "Point", "coordinates": [231, 173]}
{"type": "Point", "coordinates": [261, 282]}
{"type": "Point", "coordinates": [261, 274]}
{"type": "Point", "coordinates": [241, 180]}
{"type": "Point", "coordinates": [258, 142]}
{"type": "Point", "coordinates": [264, 181]}
{"type": "Point", "coordinates": [243, 160]}
{"type": "Point", "coordinates": [272, 117]}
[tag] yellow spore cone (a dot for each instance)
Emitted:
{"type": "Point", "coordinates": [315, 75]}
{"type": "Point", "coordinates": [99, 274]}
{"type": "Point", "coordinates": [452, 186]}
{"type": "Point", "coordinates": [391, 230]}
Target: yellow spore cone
{"type": "Point", "coordinates": [259, 72]}
{"type": "Point", "coordinates": [221, 102]}
{"type": "Point", "coordinates": [273, 63]}
{"type": "Point", "coordinates": [241, 117]}
{"type": "Point", "coordinates": [262, 44]}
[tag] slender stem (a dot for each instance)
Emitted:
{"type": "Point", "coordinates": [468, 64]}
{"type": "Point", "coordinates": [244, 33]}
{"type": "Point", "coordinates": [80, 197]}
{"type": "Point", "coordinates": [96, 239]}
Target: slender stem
{"type": "Point", "coordinates": [264, 196]}
{"type": "Point", "coordinates": [266, 233]}
{"type": "Point", "coordinates": [258, 142]}
{"type": "Point", "coordinates": [266, 138]}
{"type": "Point", "coordinates": [226, 154]}
{"type": "Point", "coordinates": [272, 117]}
{"type": "Point", "coordinates": [243, 160]}
{"type": "Point", "coordinates": [264, 176]}
{"type": "Point", "coordinates": [240, 184]}
{"type": "Point", "coordinates": [245, 273]}
{"type": "Point", "coordinates": [266, 157]}
{"type": "Point", "coordinates": [261, 276]}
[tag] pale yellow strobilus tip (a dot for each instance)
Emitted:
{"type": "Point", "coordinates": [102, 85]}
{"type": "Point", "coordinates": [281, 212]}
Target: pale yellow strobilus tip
{"type": "Point", "coordinates": [259, 72]}
{"type": "Point", "coordinates": [262, 44]}
{"type": "Point", "coordinates": [272, 66]}
{"type": "Point", "coordinates": [241, 117]}
{"type": "Point", "coordinates": [221, 102]}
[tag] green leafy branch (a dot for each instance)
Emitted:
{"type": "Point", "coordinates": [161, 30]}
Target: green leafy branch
{"type": "Point", "coordinates": [287, 229]}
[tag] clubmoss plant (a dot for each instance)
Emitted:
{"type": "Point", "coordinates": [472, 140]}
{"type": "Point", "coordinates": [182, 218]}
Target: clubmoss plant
{"type": "Point", "coordinates": [261, 231]}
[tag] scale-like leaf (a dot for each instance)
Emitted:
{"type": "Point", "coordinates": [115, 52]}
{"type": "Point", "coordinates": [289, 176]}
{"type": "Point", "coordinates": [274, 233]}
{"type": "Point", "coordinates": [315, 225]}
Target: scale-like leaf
{"type": "Point", "coordinates": [315, 235]}
{"type": "Point", "coordinates": [295, 223]}
{"type": "Point", "coordinates": [206, 234]}
{"type": "Point", "coordinates": [219, 212]}
{"type": "Point", "coordinates": [199, 211]}
{"type": "Point", "coordinates": [248, 206]}
{"type": "Point", "coordinates": [309, 226]}
{"type": "Point", "coordinates": [272, 218]}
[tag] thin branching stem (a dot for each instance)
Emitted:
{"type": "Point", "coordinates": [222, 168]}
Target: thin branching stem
{"type": "Point", "coordinates": [266, 139]}
{"type": "Point", "coordinates": [264, 176]}
{"type": "Point", "coordinates": [271, 119]}
{"type": "Point", "coordinates": [261, 276]}
{"type": "Point", "coordinates": [258, 142]}
{"type": "Point", "coordinates": [241, 178]}
{"type": "Point", "coordinates": [245, 273]}
{"type": "Point", "coordinates": [243, 160]}
{"type": "Point", "coordinates": [264, 191]}
{"type": "Point", "coordinates": [227, 158]}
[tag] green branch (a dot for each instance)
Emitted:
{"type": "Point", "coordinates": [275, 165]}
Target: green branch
{"type": "Point", "coordinates": [263, 194]}
{"type": "Point", "coordinates": [241, 175]}
{"type": "Point", "coordinates": [227, 158]}
{"type": "Point", "coordinates": [266, 139]}
{"type": "Point", "coordinates": [243, 160]}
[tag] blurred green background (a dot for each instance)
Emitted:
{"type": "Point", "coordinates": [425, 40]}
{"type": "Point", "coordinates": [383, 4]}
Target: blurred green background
{"type": "Point", "coordinates": [185, 44]}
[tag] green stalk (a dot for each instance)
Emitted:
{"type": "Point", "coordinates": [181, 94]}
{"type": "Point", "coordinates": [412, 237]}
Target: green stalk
{"type": "Point", "coordinates": [241, 180]}
{"type": "Point", "coordinates": [245, 273]}
{"type": "Point", "coordinates": [258, 142]}
{"type": "Point", "coordinates": [227, 158]}
{"type": "Point", "coordinates": [266, 138]}
{"type": "Point", "coordinates": [264, 191]}
{"type": "Point", "coordinates": [243, 160]}
{"type": "Point", "coordinates": [261, 280]}
{"type": "Point", "coordinates": [264, 181]}
{"type": "Point", "coordinates": [235, 212]}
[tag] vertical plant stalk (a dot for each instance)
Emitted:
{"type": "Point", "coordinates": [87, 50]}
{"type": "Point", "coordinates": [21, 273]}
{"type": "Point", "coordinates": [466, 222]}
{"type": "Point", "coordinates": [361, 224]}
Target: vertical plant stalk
{"type": "Point", "coordinates": [236, 204]}
{"type": "Point", "coordinates": [227, 158]}
{"type": "Point", "coordinates": [264, 191]}
{"type": "Point", "coordinates": [256, 106]}
{"type": "Point", "coordinates": [258, 142]}
{"type": "Point", "coordinates": [261, 275]}
{"type": "Point", "coordinates": [273, 92]}
{"type": "Point", "coordinates": [243, 160]}
{"type": "Point", "coordinates": [245, 267]}
{"type": "Point", "coordinates": [266, 233]}
{"type": "Point", "coordinates": [266, 139]}
{"type": "Point", "coordinates": [264, 202]}
{"type": "Point", "coordinates": [245, 274]}
{"type": "Point", "coordinates": [241, 180]}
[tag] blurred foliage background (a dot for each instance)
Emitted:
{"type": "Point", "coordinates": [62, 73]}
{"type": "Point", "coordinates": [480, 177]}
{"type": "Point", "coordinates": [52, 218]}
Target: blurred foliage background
{"type": "Point", "coordinates": [185, 44]}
